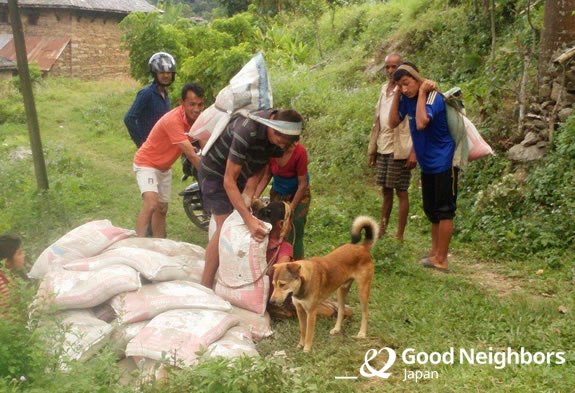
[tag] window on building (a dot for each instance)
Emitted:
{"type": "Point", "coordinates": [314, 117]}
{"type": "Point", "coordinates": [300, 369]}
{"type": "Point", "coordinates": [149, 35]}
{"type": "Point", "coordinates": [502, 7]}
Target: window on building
{"type": "Point", "coordinates": [33, 19]}
{"type": "Point", "coordinates": [3, 15]}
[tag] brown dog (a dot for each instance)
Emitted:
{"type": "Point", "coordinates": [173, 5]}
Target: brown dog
{"type": "Point", "coordinates": [311, 281]}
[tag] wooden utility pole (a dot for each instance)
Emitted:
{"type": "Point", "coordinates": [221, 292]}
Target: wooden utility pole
{"type": "Point", "coordinates": [27, 93]}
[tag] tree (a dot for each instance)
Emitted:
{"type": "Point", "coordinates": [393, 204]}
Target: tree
{"type": "Point", "coordinates": [313, 9]}
{"type": "Point", "coordinates": [233, 7]}
{"type": "Point", "coordinates": [558, 30]}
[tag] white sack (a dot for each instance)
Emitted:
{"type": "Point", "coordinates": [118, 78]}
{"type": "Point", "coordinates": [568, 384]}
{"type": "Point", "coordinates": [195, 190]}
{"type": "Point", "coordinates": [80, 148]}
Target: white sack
{"type": "Point", "coordinates": [85, 334]}
{"type": "Point", "coordinates": [236, 342]}
{"type": "Point", "coordinates": [249, 89]}
{"type": "Point", "coordinates": [71, 289]}
{"type": "Point", "coordinates": [85, 241]}
{"type": "Point", "coordinates": [177, 335]}
{"type": "Point", "coordinates": [154, 299]}
{"type": "Point", "coordinates": [241, 279]}
{"type": "Point", "coordinates": [152, 265]}
{"type": "Point", "coordinates": [124, 334]}
{"type": "Point", "coordinates": [259, 326]}
{"type": "Point", "coordinates": [167, 247]}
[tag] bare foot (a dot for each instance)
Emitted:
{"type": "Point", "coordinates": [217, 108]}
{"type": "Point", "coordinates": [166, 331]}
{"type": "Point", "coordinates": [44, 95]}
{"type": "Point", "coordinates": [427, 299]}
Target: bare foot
{"type": "Point", "coordinates": [381, 230]}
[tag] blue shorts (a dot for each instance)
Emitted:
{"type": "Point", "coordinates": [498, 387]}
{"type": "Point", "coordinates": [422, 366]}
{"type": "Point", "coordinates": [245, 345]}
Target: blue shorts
{"type": "Point", "coordinates": [214, 196]}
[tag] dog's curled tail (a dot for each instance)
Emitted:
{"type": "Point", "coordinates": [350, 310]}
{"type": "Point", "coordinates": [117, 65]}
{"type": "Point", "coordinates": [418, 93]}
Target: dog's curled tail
{"type": "Point", "coordinates": [371, 230]}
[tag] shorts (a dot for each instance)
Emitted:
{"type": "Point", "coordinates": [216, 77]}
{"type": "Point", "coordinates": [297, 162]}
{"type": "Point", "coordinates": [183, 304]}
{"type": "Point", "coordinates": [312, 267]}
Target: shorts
{"type": "Point", "coordinates": [439, 193]}
{"type": "Point", "coordinates": [154, 180]}
{"type": "Point", "coordinates": [392, 173]}
{"type": "Point", "coordinates": [214, 196]}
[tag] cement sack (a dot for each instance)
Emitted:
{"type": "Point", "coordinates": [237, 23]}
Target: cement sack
{"type": "Point", "coordinates": [167, 247]}
{"type": "Point", "coordinates": [123, 334]}
{"type": "Point", "coordinates": [152, 265]}
{"type": "Point", "coordinates": [71, 289]}
{"type": "Point", "coordinates": [177, 335]}
{"type": "Point", "coordinates": [85, 334]}
{"type": "Point", "coordinates": [241, 276]}
{"type": "Point", "coordinates": [85, 241]}
{"type": "Point", "coordinates": [154, 299]}
{"type": "Point", "coordinates": [249, 89]}
{"type": "Point", "coordinates": [235, 343]}
{"type": "Point", "coordinates": [259, 326]}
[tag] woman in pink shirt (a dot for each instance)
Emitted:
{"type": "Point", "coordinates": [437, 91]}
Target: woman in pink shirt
{"type": "Point", "coordinates": [291, 184]}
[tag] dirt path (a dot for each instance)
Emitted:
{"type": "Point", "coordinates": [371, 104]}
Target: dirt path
{"type": "Point", "coordinates": [490, 277]}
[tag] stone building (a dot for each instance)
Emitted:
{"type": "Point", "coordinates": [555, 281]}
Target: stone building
{"type": "Point", "coordinates": [79, 39]}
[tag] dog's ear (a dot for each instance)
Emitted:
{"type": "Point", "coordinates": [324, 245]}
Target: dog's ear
{"type": "Point", "coordinates": [294, 268]}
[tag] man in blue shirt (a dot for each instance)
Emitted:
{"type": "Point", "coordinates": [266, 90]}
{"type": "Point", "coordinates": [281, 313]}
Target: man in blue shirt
{"type": "Point", "coordinates": [419, 100]}
{"type": "Point", "coordinates": [152, 102]}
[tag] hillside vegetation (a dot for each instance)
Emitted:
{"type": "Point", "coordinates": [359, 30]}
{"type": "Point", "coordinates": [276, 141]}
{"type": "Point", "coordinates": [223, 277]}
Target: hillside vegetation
{"type": "Point", "coordinates": [514, 240]}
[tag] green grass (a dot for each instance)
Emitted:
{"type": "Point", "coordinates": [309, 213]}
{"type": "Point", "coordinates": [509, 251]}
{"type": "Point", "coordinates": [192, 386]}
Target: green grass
{"type": "Point", "coordinates": [89, 157]}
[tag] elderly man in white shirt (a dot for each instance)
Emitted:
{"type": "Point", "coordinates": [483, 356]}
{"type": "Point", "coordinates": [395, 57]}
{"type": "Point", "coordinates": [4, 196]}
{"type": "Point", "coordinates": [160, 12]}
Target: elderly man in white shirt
{"type": "Point", "coordinates": [391, 153]}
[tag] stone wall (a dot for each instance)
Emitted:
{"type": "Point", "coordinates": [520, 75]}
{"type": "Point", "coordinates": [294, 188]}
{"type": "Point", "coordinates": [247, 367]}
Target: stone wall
{"type": "Point", "coordinates": [551, 107]}
{"type": "Point", "coordinates": [94, 51]}
{"type": "Point", "coordinates": [63, 66]}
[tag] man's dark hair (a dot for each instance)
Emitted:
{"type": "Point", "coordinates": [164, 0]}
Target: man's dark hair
{"type": "Point", "coordinates": [291, 116]}
{"type": "Point", "coordinates": [8, 246]}
{"type": "Point", "coordinates": [194, 87]}
{"type": "Point", "coordinates": [397, 75]}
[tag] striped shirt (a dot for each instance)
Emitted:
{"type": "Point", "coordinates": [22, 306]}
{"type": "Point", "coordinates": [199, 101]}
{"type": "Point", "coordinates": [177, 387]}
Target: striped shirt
{"type": "Point", "coordinates": [243, 142]}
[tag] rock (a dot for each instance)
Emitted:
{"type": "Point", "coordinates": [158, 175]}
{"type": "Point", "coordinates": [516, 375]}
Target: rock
{"type": "Point", "coordinates": [562, 309]}
{"type": "Point", "coordinates": [530, 139]}
{"type": "Point", "coordinates": [568, 98]}
{"type": "Point", "coordinates": [564, 114]}
{"type": "Point", "coordinates": [535, 108]}
{"type": "Point", "coordinates": [545, 90]}
{"type": "Point", "coordinates": [538, 124]}
{"type": "Point", "coordinates": [531, 153]}
{"type": "Point", "coordinates": [555, 91]}
{"type": "Point", "coordinates": [570, 75]}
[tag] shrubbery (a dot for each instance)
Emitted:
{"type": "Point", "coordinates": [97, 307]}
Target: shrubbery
{"type": "Point", "coordinates": [450, 44]}
{"type": "Point", "coordinates": [209, 55]}
{"type": "Point", "coordinates": [11, 101]}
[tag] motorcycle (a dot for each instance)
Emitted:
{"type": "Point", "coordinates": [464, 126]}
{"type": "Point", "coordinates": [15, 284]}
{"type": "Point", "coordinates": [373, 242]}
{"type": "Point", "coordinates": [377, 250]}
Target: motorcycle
{"type": "Point", "coordinates": [192, 197]}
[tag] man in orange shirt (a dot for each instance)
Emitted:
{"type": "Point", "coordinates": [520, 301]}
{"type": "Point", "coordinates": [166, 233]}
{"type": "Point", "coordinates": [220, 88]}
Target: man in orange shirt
{"type": "Point", "coordinates": [153, 161]}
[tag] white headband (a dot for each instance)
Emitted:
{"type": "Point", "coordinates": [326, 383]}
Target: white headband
{"type": "Point", "coordinates": [283, 127]}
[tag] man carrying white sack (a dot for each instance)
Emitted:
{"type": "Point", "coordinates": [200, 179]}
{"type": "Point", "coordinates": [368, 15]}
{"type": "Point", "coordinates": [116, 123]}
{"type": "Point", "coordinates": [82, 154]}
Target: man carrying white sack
{"type": "Point", "coordinates": [235, 163]}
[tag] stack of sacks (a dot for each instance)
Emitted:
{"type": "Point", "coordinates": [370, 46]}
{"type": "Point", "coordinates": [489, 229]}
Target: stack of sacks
{"type": "Point", "coordinates": [142, 297]}
{"type": "Point", "coordinates": [85, 241]}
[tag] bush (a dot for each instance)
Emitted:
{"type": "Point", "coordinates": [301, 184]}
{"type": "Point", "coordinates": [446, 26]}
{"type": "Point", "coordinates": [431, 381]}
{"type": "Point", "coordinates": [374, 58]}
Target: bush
{"type": "Point", "coordinates": [35, 76]}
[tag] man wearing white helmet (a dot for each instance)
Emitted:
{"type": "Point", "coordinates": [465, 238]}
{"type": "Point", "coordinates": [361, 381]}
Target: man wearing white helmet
{"type": "Point", "coordinates": [152, 102]}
